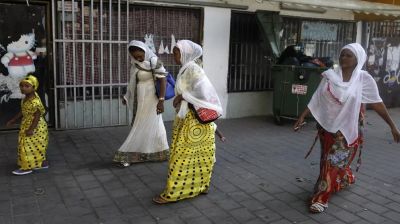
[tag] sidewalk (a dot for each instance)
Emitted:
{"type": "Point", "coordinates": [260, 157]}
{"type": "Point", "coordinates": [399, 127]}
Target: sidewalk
{"type": "Point", "coordinates": [260, 177]}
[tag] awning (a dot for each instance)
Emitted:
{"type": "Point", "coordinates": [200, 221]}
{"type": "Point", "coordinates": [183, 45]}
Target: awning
{"type": "Point", "coordinates": [357, 6]}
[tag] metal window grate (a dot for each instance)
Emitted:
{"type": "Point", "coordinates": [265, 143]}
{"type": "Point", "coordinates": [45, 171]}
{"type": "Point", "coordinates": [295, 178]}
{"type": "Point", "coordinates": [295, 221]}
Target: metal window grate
{"type": "Point", "coordinates": [91, 61]}
{"type": "Point", "coordinates": [320, 47]}
{"type": "Point", "coordinates": [249, 67]}
{"type": "Point", "coordinates": [249, 70]}
{"type": "Point", "coordinates": [384, 29]}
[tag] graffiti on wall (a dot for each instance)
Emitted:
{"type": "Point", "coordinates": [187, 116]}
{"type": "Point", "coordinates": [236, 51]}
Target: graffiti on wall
{"type": "Point", "coordinates": [383, 63]}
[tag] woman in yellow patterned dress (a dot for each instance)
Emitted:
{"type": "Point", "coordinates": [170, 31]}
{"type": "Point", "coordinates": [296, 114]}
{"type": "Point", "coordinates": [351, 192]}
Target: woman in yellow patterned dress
{"type": "Point", "coordinates": [33, 135]}
{"type": "Point", "coordinates": [193, 144]}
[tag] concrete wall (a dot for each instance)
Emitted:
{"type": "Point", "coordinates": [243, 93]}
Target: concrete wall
{"type": "Point", "coordinates": [216, 49]}
{"type": "Point", "coordinates": [215, 54]}
{"type": "Point", "coordinates": [216, 36]}
{"type": "Point", "coordinates": [254, 5]}
{"type": "Point", "coordinates": [246, 104]}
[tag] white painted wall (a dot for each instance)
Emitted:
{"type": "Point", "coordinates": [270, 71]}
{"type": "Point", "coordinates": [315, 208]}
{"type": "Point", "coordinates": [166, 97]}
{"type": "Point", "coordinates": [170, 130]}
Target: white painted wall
{"type": "Point", "coordinates": [216, 37]}
{"type": "Point", "coordinates": [216, 49]}
{"type": "Point", "coordinates": [254, 5]}
{"type": "Point", "coordinates": [359, 32]}
{"type": "Point", "coordinates": [245, 104]}
{"type": "Point", "coordinates": [215, 44]}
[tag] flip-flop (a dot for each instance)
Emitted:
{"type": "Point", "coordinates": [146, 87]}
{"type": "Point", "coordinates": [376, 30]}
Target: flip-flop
{"type": "Point", "coordinates": [159, 200]}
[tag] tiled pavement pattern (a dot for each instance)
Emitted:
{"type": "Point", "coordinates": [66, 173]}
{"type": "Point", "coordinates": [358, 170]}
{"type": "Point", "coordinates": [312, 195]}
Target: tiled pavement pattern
{"type": "Point", "coordinates": [260, 177]}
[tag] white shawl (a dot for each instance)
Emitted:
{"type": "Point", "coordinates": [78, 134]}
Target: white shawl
{"type": "Point", "coordinates": [150, 63]}
{"type": "Point", "coordinates": [192, 81]}
{"type": "Point", "coordinates": [336, 104]}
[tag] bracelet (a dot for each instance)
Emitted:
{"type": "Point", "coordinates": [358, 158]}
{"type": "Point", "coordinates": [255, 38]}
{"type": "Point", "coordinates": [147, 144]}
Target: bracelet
{"type": "Point", "coordinates": [161, 99]}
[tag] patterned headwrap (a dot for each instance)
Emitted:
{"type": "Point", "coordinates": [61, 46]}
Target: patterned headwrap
{"type": "Point", "coordinates": [31, 80]}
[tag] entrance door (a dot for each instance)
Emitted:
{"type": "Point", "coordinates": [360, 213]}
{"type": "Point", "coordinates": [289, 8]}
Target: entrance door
{"type": "Point", "coordinates": [23, 34]}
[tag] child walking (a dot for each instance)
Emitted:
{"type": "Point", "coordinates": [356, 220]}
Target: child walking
{"type": "Point", "coordinates": [33, 134]}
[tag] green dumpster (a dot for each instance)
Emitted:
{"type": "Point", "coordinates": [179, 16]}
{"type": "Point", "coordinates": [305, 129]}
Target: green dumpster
{"type": "Point", "coordinates": [293, 89]}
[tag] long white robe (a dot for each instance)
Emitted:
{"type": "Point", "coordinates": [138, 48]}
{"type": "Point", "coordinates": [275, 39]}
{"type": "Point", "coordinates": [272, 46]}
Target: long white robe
{"type": "Point", "coordinates": [147, 140]}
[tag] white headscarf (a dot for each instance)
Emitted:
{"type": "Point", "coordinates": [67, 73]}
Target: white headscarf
{"type": "Point", "coordinates": [150, 63]}
{"type": "Point", "coordinates": [150, 59]}
{"type": "Point", "coordinates": [190, 52]}
{"type": "Point", "coordinates": [336, 104]}
{"type": "Point", "coordinates": [192, 81]}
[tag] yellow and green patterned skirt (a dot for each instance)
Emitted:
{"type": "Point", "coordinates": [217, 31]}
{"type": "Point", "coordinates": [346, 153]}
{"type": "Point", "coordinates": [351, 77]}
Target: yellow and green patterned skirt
{"type": "Point", "coordinates": [191, 159]}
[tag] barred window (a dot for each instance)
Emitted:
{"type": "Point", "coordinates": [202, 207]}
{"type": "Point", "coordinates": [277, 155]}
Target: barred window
{"type": "Point", "coordinates": [319, 38]}
{"type": "Point", "coordinates": [249, 68]}
{"type": "Point", "coordinates": [384, 29]}
{"type": "Point", "coordinates": [93, 54]}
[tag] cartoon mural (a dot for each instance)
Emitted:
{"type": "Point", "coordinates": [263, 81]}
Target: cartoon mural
{"type": "Point", "coordinates": [24, 40]}
{"type": "Point", "coordinates": [19, 62]}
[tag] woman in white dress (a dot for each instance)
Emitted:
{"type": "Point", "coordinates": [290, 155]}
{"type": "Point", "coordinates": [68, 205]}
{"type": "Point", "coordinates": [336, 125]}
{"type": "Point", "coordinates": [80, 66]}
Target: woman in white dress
{"type": "Point", "coordinates": [147, 140]}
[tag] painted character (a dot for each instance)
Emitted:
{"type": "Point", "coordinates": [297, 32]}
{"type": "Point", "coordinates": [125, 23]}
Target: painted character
{"type": "Point", "coordinates": [19, 58]}
{"type": "Point", "coordinates": [19, 62]}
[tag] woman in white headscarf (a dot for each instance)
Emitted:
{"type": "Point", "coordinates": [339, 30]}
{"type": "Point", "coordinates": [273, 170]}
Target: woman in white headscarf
{"type": "Point", "coordinates": [193, 144]}
{"type": "Point", "coordinates": [337, 107]}
{"type": "Point", "coordinates": [147, 140]}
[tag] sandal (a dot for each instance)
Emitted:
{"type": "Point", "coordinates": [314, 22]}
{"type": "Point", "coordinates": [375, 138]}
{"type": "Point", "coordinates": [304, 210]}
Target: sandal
{"type": "Point", "coordinates": [318, 207]}
{"type": "Point", "coordinates": [159, 200]}
{"type": "Point", "coordinates": [20, 172]}
{"type": "Point", "coordinates": [122, 164]}
{"type": "Point", "coordinates": [204, 192]}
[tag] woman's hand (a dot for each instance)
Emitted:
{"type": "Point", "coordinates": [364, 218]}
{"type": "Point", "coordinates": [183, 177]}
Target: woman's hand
{"type": "Point", "coordinates": [396, 135]}
{"type": "Point", "coordinates": [299, 123]}
{"type": "Point", "coordinates": [29, 132]}
{"type": "Point", "coordinates": [223, 139]}
{"type": "Point", "coordinates": [380, 108]}
{"type": "Point", "coordinates": [160, 106]}
{"type": "Point", "coordinates": [177, 100]}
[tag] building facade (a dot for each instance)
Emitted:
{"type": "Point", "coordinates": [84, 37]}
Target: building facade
{"type": "Point", "coordinates": [83, 63]}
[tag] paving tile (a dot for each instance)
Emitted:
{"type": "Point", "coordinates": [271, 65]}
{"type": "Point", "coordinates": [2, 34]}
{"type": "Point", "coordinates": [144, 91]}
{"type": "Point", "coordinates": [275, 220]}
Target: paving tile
{"type": "Point", "coordinates": [28, 219]}
{"type": "Point", "coordinates": [254, 180]}
{"type": "Point", "coordinates": [371, 217]}
{"type": "Point", "coordinates": [242, 215]}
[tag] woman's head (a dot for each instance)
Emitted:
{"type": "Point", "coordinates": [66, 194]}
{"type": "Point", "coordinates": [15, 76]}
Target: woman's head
{"type": "Point", "coordinates": [177, 55]}
{"type": "Point", "coordinates": [187, 51]}
{"type": "Point", "coordinates": [140, 51]}
{"type": "Point", "coordinates": [29, 84]}
{"type": "Point", "coordinates": [137, 53]}
{"type": "Point", "coordinates": [347, 59]}
{"type": "Point", "coordinates": [352, 56]}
